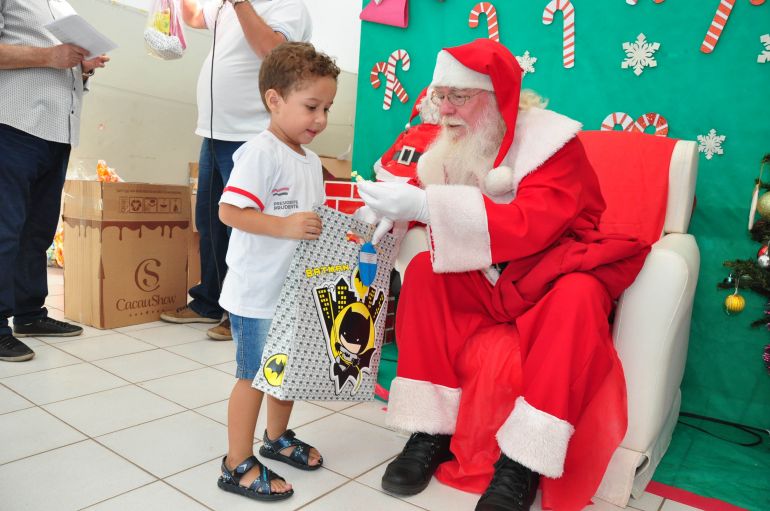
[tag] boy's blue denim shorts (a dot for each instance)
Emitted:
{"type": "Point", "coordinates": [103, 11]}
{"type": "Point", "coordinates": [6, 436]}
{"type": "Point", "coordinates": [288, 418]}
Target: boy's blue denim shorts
{"type": "Point", "coordinates": [249, 335]}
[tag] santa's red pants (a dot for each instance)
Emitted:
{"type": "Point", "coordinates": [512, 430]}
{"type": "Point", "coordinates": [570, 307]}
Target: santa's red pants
{"type": "Point", "coordinates": [467, 368]}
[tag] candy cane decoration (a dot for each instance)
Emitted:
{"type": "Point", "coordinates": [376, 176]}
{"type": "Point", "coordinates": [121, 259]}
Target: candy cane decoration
{"type": "Point", "coordinates": [651, 119]}
{"type": "Point", "coordinates": [393, 85]}
{"type": "Point", "coordinates": [717, 25]}
{"type": "Point", "coordinates": [374, 77]}
{"type": "Point", "coordinates": [568, 13]}
{"type": "Point", "coordinates": [634, 2]}
{"type": "Point", "coordinates": [615, 118]}
{"type": "Point", "coordinates": [627, 124]}
{"type": "Point", "coordinates": [491, 12]}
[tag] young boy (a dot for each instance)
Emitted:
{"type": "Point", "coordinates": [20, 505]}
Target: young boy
{"type": "Point", "coordinates": [268, 202]}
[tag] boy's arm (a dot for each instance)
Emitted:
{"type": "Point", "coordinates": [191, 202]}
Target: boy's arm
{"type": "Point", "coordinates": [304, 225]}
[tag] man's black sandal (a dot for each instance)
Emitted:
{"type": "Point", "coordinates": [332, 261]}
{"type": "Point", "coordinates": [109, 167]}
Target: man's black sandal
{"type": "Point", "coordinates": [299, 457]}
{"type": "Point", "coordinates": [259, 489]}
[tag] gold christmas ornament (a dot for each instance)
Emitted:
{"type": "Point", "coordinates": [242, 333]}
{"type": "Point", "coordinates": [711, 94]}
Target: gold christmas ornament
{"type": "Point", "coordinates": [763, 205]}
{"type": "Point", "coordinates": [734, 303]}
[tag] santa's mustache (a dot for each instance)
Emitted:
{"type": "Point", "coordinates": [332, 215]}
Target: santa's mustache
{"type": "Point", "coordinates": [453, 121]}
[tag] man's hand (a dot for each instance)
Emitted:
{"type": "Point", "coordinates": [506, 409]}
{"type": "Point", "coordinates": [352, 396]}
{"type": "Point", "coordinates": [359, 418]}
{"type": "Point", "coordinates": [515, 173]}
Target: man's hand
{"type": "Point", "coordinates": [305, 225]}
{"type": "Point", "coordinates": [65, 56]}
{"type": "Point", "coordinates": [395, 200]}
{"type": "Point", "coordinates": [91, 64]}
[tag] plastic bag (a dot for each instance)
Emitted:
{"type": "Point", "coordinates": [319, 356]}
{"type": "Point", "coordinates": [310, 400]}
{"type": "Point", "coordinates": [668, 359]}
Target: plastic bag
{"type": "Point", "coordinates": [163, 35]}
{"type": "Point", "coordinates": [106, 174]}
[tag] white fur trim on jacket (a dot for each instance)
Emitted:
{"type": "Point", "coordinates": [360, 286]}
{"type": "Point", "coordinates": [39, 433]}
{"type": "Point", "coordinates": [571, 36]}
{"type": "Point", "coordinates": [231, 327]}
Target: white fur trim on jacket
{"type": "Point", "coordinates": [539, 134]}
{"type": "Point", "coordinates": [416, 405]}
{"type": "Point", "coordinates": [535, 439]}
{"type": "Point", "coordinates": [450, 72]}
{"type": "Point", "coordinates": [458, 229]}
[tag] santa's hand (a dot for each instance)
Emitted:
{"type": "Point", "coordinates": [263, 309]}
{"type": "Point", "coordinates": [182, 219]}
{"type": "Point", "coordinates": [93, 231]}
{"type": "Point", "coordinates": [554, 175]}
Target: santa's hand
{"type": "Point", "coordinates": [367, 214]}
{"type": "Point", "coordinates": [395, 200]}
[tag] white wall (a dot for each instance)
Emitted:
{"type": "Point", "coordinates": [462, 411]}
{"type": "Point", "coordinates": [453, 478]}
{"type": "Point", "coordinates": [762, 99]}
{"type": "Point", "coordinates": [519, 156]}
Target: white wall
{"type": "Point", "coordinates": [140, 114]}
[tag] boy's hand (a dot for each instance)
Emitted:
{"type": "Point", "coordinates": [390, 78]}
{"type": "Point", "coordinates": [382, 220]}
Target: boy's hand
{"type": "Point", "coordinates": [302, 226]}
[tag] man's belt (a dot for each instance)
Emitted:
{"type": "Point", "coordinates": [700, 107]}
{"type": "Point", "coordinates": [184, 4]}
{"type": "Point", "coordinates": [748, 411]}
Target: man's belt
{"type": "Point", "coordinates": [407, 155]}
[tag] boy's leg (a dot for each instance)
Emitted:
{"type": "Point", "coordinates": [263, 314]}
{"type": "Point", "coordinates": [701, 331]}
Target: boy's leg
{"type": "Point", "coordinates": [278, 413]}
{"type": "Point", "coordinates": [245, 401]}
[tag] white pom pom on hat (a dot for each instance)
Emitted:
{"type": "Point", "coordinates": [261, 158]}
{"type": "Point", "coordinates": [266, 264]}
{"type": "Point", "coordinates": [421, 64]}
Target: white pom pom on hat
{"type": "Point", "coordinates": [499, 181]}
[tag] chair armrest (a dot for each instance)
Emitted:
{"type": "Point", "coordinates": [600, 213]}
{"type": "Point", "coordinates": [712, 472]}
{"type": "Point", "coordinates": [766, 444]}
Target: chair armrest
{"type": "Point", "coordinates": [651, 332]}
{"type": "Point", "coordinates": [682, 173]}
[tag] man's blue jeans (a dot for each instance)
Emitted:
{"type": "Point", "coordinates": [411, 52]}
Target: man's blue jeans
{"type": "Point", "coordinates": [213, 172]}
{"type": "Point", "coordinates": [32, 172]}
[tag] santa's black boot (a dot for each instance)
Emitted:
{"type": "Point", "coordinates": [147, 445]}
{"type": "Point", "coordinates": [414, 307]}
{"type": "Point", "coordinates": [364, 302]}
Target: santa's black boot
{"type": "Point", "coordinates": [513, 487]}
{"type": "Point", "coordinates": [411, 471]}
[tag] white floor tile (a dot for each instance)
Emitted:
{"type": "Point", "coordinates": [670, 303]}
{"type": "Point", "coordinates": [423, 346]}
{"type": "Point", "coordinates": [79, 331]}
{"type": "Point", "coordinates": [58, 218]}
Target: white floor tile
{"type": "Point", "coordinates": [670, 505]}
{"type": "Point", "coordinates": [63, 383]}
{"type": "Point", "coordinates": [201, 484]}
{"type": "Point", "coordinates": [372, 412]}
{"type": "Point", "coordinates": [168, 335]}
{"type": "Point", "coordinates": [11, 401]}
{"type": "Point", "coordinates": [33, 342]}
{"type": "Point", "coordinates": [647, 502]}
{"type": "Point", "coordinates": [351, 496]}
{"type": "Point", "coordinates": [203, 327]}
{"type": "Point", "coordinates": [302, 413]}
{"type": "Point", "coordinates": [436, 497]}
{"type": "Point", "coordinates": [68, 478]}
{"type": "Point", "coordinates": [228, 367]}
{"type": "Point", "coordinates": [147, 365]}
{"type": "Point", "coordinates": [193, 388]}
{"type": "Point", "coordinates": [600, 505]}
{"type": "Point", "coordinates": [169, 445]}
{"type": "Point", "coordinates": [349, 446]}
{"type": "Point", "coordinates": [335, 405]}
{"type": "Point", "coordinates": [140, 326]}
{"type": "Point", "coordinates": [55, 289]}
{"type": "Point", "coordinates": [55, 301]}
{"type": "Point", "coordinates": [111, 410]}
{"type": "Point", "coordinates": [46, 357]}
{"type": "Point", "coordinates": [207, 352]}
{"type": "Point", "coordinates": [104, 346]}
{"type": "Point", "coordinates": [153, 497]}
{"type": "Point", "coordinates": [33, 431]}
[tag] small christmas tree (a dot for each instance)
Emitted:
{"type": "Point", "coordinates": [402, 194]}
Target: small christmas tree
{"type": "Point", "coordinates": [754, 274]}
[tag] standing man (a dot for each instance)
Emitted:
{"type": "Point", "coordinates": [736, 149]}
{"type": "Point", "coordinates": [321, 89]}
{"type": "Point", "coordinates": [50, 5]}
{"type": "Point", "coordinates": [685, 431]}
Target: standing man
{"type": "Point", "coordinates": [41, 92]}
{"type": "Point", "coordinates": [244, 33]}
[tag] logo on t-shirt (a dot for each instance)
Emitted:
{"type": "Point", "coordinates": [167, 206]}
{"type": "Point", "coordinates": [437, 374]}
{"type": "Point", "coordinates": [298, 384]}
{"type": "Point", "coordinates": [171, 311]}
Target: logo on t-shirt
{"type": "Point", "coordinates": [279, 192]}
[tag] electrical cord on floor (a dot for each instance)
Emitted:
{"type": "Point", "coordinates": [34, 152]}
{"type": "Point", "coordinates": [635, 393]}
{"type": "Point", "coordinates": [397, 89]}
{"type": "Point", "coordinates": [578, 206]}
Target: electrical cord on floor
{"type": "Point", "coordinates": [212, 155]}
{"type": "Point", "coordinates": [756, 433]}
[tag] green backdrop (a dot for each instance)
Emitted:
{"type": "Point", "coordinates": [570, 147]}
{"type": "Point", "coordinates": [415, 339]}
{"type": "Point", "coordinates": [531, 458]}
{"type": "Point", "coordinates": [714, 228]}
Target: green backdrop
{"type": "Point", "coordinates": [727, 90]}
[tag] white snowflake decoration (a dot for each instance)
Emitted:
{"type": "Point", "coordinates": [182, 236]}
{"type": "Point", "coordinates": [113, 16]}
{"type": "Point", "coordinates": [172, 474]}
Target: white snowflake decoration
{"type": "Point", "coordinates": [711, 144]}
{"type": "Point", "coordinates": [639, 54]}
{"type": "Point", "coordinates": [527, 63]}
{"type": "Point", "coordinates": [764, 57]}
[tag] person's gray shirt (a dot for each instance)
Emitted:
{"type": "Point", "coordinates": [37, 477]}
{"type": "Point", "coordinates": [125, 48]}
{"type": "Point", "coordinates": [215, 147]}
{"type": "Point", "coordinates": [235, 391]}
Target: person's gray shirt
{"type": "Point", "coordinates": [43, 101]}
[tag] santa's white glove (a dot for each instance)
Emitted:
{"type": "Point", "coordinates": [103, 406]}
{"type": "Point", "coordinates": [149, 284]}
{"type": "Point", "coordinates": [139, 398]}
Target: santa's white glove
{"type": "Point", "coordinates": [395, 200]}
{"type": "Point", "coordinates": [367, 214]}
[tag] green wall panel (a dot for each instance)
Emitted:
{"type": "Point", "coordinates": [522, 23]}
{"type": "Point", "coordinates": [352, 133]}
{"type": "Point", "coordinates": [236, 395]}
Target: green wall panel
{"type": "Point", "coordinates": [726, 90]}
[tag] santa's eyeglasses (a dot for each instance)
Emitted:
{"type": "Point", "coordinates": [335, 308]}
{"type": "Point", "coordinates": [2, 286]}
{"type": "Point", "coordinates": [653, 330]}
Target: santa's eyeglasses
{"type": "Point", "coordinates": [456, 99]}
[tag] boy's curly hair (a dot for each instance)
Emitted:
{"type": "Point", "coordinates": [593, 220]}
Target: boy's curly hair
{"type": "Point", "coordinates": [290, 64]}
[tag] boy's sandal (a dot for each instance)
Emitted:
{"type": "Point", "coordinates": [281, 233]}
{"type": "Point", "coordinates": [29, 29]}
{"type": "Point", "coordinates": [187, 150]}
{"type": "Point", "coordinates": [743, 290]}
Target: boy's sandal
{"type": "Point", "coordinates": [299, 457]}
{"type": "Point", "coordinates": [259, 489]}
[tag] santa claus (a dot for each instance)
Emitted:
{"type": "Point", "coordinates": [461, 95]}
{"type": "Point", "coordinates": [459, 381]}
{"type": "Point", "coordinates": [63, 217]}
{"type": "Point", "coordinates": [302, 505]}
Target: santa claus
{"type": "Point", "coordinates": [506, 368]}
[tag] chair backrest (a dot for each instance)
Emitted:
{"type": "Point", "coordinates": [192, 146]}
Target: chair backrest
{"type": "Point", "coordinates": [648, 182]}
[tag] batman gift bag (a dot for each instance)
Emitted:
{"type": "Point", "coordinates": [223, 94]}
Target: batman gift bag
{"type": "Point", "coordinates": [325, 339]}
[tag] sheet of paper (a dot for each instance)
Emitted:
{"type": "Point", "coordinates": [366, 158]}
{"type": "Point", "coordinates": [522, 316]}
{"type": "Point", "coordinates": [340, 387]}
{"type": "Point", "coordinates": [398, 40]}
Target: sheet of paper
{"type": "Point", "coordinates": [76, 30]}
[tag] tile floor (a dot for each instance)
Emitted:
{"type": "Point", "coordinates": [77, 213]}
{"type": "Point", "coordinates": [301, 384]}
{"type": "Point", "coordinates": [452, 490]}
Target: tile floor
{"type": "Point", "coordinates": [135, 418]}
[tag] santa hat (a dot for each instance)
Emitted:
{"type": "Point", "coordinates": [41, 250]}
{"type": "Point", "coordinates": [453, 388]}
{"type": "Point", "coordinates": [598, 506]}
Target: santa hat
{"type": "Point", "coordinates": [488, 65]}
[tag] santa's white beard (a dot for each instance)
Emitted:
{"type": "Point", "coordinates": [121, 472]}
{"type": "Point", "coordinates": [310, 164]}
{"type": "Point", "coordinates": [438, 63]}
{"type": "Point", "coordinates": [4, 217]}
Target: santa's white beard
{"type": "Point", "coordinates": [463, 160]}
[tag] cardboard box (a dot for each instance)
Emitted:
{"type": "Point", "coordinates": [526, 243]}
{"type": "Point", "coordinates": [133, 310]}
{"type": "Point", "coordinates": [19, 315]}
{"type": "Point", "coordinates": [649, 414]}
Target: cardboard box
{"type": "Point", "coordinates": [194, 260]}
{"type": "Point", "coordinates": [126, 246]}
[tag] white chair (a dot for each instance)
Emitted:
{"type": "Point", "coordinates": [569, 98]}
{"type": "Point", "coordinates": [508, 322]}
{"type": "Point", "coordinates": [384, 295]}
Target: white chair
{"type": "Point", "coordinates": [652, 322]}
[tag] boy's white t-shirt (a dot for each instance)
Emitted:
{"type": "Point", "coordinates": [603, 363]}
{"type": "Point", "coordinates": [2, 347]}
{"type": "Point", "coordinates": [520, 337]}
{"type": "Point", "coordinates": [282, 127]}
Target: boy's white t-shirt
{"type": "Point", "coordinates": [239, 113]}
{"type": "Point", "coordinates": [269, 177]}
